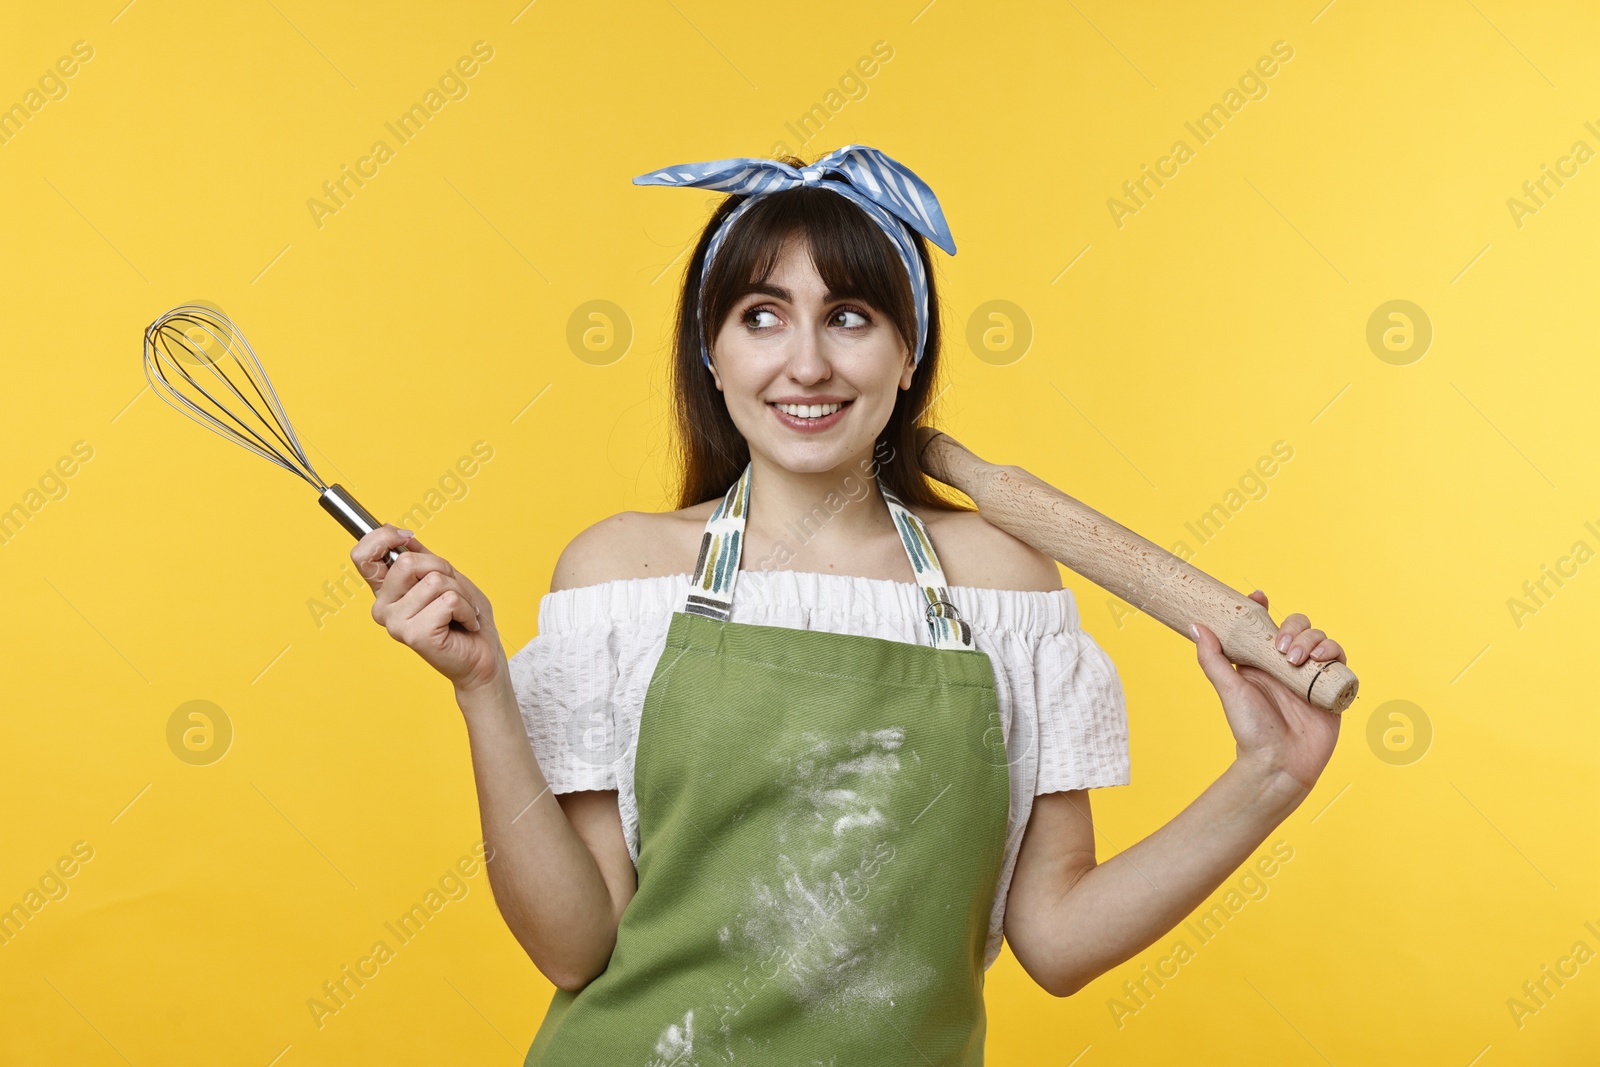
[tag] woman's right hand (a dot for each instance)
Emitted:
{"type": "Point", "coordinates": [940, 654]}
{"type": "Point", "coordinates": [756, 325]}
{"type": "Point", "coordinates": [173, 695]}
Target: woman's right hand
{"type": "Point", "coordinates": [430, 607]}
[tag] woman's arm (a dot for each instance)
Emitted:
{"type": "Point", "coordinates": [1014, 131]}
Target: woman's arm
{"type": "Point", "coordinates": [559, 887]}
{"type": "Point", "coordinates": [561, 903]}
{"type": "Point", "coordinates": [1070, 919]}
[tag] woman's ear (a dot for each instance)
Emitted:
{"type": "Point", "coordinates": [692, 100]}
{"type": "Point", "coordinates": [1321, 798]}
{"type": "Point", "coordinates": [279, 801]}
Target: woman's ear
{"type": "Point", "coordinates": [907, 372]}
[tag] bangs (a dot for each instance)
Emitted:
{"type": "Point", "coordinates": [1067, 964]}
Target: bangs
{"type": "Point", "coordinates": [852, 256]}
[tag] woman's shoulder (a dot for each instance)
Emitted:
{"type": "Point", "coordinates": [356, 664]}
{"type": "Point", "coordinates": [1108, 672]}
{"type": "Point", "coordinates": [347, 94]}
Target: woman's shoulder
{"type": "Point", "coordinates": [627, 574]}
{"type": "Point", "coordinates": [976, 553]}
{"type": "Point", "coordinates": [644, 544]}
{"type": "Point", "coordinates": [632, 544]}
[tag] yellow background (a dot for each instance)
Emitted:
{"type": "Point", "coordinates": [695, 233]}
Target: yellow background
{"type": "Point", "coordinates": [432, 309]}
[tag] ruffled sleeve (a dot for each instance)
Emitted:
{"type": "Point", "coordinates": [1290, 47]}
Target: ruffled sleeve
{"type": "Point", "coordinates": [1060, 696]}
{"type": "Point", "coordinates": [1061, 703]}
{"type": "Point", "coordinates": [1082, 714]}
{"type": "Point", "coordinates": [580, 683]}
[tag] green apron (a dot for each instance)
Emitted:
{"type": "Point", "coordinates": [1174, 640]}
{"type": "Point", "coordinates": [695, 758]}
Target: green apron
{"type": "Point", "coordinates": [822, 822]}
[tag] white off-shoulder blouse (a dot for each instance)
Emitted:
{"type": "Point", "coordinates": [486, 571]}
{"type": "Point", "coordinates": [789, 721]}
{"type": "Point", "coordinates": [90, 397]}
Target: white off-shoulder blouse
{"type": "Point", "coordinates": [581, 682]}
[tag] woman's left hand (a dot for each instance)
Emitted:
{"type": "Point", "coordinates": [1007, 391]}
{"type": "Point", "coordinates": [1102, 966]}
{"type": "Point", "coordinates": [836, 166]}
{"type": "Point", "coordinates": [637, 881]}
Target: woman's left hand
{"type": "Point", "coordinates": [1276, 728]}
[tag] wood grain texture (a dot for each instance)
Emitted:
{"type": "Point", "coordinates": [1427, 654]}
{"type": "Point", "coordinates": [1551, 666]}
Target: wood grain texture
{"type": "Point", "coordinates": [1125, 564]}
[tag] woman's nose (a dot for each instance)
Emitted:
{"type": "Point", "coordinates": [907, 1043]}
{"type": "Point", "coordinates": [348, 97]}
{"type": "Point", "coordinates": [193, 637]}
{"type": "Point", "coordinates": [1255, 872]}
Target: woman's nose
{"type": "Point", "coordinates": [808, 359]}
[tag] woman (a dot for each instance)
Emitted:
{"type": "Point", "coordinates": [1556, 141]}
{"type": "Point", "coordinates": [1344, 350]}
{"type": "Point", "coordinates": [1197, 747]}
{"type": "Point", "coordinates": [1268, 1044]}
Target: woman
{"type": "Point", "coordinates": [793, 826]}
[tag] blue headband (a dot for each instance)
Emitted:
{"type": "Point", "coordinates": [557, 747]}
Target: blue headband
{"type": "Point", "coordinates": [887, 191]}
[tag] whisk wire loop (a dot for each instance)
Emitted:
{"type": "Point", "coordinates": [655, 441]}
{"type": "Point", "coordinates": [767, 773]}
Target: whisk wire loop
{"type": "Point", "coordinates": [255, 419]}
{"type": "Point", "coordinates": [244, 408]}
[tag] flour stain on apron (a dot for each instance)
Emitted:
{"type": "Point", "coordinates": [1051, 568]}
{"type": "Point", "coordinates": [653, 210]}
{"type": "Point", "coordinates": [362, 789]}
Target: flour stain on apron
{"type": "Point", "coordinates": [813, 925]}
{"type": "Point", "coordinates": [675, 1048]}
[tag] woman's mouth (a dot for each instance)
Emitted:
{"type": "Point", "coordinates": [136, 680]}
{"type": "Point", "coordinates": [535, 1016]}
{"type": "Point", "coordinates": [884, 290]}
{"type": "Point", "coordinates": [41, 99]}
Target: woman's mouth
{"type": "Point", "coordinates": [809, 418]}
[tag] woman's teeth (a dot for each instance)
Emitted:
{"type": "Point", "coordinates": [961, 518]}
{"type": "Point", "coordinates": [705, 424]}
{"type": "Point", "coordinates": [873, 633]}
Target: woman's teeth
{"type": "Point", "coordinates": [808, 411]}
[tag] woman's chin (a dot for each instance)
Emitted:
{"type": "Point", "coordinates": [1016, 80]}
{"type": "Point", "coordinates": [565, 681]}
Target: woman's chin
{"type": "Point", "coordinates": [815, 457]}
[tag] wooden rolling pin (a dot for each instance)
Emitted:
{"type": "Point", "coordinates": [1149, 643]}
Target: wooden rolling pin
{"type": "Point", "coordinates": [1120, 561]}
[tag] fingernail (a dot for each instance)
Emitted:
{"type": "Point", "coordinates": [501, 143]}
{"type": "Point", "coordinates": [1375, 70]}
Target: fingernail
{"type": "Point", "coordinates": [1194, 631]}
{"type": "Point", "coordinates": [1297, 655]}
{"type": "Point", "coordinates": [1283, 642]}
{"type": "Point", "coordinates": [406, 532]}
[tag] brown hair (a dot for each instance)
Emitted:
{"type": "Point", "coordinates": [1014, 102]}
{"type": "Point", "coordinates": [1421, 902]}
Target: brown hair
{"type": "Point", "coordinates": [852, 256]}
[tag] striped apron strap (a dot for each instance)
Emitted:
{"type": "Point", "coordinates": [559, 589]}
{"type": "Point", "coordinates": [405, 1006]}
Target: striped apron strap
{"type": "Point", "coordinates": [711, 587]}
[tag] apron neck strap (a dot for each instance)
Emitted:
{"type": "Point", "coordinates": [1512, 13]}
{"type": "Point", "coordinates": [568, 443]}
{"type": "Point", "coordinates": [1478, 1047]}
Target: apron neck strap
{"type": "Point", "coordinates": [711, 587]}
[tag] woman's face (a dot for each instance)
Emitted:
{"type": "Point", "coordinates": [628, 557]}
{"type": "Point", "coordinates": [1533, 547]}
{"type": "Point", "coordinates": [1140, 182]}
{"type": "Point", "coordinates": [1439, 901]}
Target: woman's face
{"type": "Point", "coordinates": [794, 342]}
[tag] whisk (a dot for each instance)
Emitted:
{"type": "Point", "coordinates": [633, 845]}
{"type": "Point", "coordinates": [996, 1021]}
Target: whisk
{"type": "Point", "coordinates": [196, 359]}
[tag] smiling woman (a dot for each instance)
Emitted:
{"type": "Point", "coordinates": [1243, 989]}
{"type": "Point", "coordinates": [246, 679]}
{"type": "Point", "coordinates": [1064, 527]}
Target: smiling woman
{"type": "Point", "coordinates": [788, 818]}
{"type": "Point", "coordinates": [784, 818]}
{"type": "Point", "coordinates": [774, 755]}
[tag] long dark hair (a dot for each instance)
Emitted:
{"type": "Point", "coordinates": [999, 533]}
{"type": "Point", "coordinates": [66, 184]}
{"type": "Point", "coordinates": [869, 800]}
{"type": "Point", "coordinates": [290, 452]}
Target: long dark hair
{"type": "Point", "coordinates": [852, 255]}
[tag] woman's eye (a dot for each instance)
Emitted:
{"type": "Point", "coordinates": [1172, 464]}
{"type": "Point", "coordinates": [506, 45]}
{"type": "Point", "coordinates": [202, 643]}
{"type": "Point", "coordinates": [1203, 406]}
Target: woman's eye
{"type": "Point", "coordinates": [853, 319]}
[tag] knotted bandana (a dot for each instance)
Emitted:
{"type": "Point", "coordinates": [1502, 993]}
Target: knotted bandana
{"type": "Point", "coordinates": [889, 192]}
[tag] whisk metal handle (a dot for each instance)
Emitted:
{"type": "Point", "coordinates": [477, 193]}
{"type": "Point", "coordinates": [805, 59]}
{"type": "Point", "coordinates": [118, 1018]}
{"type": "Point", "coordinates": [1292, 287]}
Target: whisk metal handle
{"type": "Point", "coordinates": [338, 502]}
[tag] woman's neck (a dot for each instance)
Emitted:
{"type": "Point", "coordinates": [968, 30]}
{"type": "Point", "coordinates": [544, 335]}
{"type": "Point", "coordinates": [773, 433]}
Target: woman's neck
{"type": "Point", "coordinates": [825, 511]}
